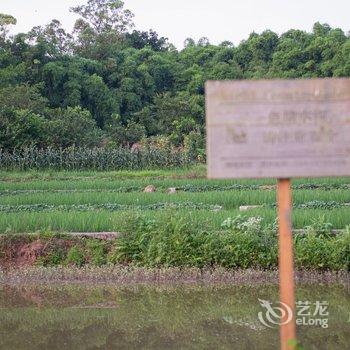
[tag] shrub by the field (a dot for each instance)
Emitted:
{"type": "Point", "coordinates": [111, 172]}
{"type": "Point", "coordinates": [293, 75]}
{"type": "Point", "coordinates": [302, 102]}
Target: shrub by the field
{"type": "Point", "coordinates": [320, 251]}
{"type": "Point", "coordinates": [243, 243]}
{"type": "Point", "coordinates": [76, 256]}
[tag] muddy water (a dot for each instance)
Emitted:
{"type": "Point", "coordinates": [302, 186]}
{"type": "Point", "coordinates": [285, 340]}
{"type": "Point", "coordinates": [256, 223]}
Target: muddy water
{"type": "Point", "coordinates": [106, 317]}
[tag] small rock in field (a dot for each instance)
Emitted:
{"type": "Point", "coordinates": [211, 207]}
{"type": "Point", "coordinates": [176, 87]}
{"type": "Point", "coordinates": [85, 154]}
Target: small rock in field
{"type": "Point", "coordinates": [248, 207]}
{"type": "Point", "coordinates": [149, 189]}
{"type": "Point", "coordinates": [171, 190]}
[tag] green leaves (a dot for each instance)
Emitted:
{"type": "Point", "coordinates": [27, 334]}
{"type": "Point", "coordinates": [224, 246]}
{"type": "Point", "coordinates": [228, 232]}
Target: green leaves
{"type": "Point", "coordinates": [180, 243]}
{"type": "Point", "coordinates": [155, 90]}
{"type": "Point", "coordinates": [105, 15]}
{"type": "Point", "coordinates": [106, 206]}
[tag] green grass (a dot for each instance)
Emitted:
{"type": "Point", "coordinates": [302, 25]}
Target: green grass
{"type": "Point", "coordinates": [125, 188]}
{"type": "Point", "coordinates": [227, 199]}
{"type": "Point", "coordinates": [195, 176]}
{"type": "Point", "coordinates": [197, 170]}
{"type": "Point", "coordinates": [116, 221]}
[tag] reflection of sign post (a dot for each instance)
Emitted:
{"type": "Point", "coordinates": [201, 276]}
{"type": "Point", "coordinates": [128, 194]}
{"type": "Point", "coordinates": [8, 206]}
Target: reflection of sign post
{"type": "Point", "coordinates": [279, 129]}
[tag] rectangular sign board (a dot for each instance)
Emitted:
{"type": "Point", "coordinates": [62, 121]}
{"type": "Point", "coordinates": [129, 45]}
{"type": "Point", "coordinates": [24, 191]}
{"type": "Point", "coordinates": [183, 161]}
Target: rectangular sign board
{"type": "Point", "coordinates": [278, 128]}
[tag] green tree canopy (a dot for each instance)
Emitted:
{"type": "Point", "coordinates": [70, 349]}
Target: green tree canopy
{"type": "Point", "coordinates": [108, 83]}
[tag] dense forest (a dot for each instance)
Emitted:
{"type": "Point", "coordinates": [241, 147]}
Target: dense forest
{"type": "Point", "coordinates": [107, 84]}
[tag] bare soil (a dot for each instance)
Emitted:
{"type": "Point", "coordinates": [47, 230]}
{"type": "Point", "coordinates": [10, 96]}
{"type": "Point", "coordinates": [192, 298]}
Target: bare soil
{"type": "Point", "coordinates": [19, 252]}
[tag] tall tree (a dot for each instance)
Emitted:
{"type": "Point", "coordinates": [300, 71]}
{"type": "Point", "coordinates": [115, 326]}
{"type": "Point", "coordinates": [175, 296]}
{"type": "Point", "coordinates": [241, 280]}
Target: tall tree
{"type": "Point", "coordinates": [56, 40]}
{"type": "Point", "coordinates": [105, 15]}
{"type": "Point", "coordinates": [5, 22]}
{"type": "Point", "coordinates": [101, 26]}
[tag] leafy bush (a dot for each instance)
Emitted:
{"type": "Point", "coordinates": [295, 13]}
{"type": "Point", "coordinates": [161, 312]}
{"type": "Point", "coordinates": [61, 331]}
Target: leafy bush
{"type": "Point", "coordinates": [75, 256]}
{"type": "Point", "coordinates": [56, 256]}
{"type": "Point", "coordinates": [244, 243]}
{"type": "Point", "coordinates": [72, 126]}
{"type": "Point", "coordinates": [97, 252]}
{"type": "Point", "coordinates": [179, 243]}
{"type": "Point", "coordinates": [21, 128]}
{"type": "Point", "coordinates": [320, 227]}
{"type": "Point", "coordinates": [194, 145]}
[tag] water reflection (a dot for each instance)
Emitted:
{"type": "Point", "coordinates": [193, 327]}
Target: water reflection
{"type": "Point", "coordinates": [106, 317]}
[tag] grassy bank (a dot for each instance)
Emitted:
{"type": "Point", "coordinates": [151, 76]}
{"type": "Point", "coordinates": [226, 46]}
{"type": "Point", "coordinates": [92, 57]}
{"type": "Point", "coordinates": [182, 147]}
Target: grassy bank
{"type": "Point", "coordinates": [240, 243]}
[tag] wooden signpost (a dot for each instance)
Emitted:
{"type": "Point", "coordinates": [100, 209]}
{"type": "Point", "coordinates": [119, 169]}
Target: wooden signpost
{"type": "Point", "coordinates": [279, 129]}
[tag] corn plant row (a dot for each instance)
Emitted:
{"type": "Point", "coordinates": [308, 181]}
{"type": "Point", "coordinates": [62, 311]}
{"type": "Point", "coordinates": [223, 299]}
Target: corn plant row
{"type": "Point", "coordinates": [93, 159]}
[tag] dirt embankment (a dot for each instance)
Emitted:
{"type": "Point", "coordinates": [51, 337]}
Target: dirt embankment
{"type": "Point", "coordinates": [18, 252]}
{"type": "Point", "coordinates": [74, 248]}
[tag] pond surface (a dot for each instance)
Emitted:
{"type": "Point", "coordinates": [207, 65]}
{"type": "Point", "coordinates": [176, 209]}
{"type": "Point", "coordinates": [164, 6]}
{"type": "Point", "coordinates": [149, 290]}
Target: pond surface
{"type": "Point", "coordinates": [106, 317]}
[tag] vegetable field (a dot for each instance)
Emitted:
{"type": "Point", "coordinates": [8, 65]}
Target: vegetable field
{"type": "Point", "coordinates": [102, 201]}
